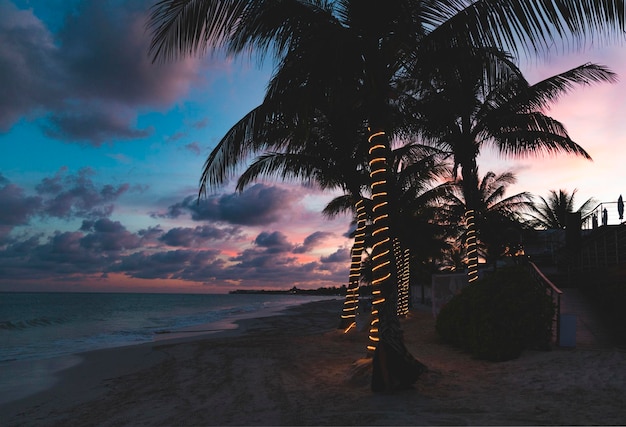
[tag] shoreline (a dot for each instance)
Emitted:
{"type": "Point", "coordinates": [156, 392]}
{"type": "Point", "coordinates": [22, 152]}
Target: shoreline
{"type": "Point", "coordinates": [22, 378]}
{"type": "Point", "coordinates": [296, 368]}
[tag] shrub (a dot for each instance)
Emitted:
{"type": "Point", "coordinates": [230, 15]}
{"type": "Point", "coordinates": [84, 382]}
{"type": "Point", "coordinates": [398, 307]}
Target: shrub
{"type": "Point", "coordinates": [498, 316]}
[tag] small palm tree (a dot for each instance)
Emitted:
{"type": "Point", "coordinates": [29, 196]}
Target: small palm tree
{"type": "Point", "coordinates": [463, 109]}
{"type": "Point", "coordinates": [552, 212]}
{"type": "Point", "coordinates": [499, 219]}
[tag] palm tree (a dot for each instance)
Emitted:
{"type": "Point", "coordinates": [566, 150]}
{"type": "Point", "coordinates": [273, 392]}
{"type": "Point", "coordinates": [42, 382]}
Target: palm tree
{"type": "Point", "coordinates": [369, 43]}
{"type": "Point", "coordinates": [462, 110]}
{"type": "Point", "coordinates": [499, 219]}
{"type": "Point", "coordinates": [332, 167]}
{"type": "Point", "coordinates": [551, 213]}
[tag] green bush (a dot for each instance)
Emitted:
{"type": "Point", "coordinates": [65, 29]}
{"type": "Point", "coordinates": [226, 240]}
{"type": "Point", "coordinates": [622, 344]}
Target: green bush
{"type": "Point", "coordinates": [498, 316]}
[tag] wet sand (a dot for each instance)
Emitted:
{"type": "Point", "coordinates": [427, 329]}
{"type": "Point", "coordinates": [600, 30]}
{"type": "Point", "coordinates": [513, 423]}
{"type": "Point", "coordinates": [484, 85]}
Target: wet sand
{"type": "Point", "coordinates": [297, 369]}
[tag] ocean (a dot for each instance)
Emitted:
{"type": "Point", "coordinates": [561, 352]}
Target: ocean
{"type": "Point", "coordinates": [46, 325]}
{"type": "Point", "coordinates": [41, 334]}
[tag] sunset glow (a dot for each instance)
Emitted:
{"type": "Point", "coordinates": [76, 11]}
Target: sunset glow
{"type": "Point", "coordinates": [102, 152]}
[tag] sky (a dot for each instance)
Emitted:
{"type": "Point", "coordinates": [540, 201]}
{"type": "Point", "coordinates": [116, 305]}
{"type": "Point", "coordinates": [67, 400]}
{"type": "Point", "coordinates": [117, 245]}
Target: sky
{"type": "Point", "coordinates": [101, 153]}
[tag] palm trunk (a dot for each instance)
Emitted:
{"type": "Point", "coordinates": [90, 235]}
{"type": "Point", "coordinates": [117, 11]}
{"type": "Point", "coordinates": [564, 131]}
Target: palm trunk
{"type": "Point", "coordinates": [402, 265]}
{"type": "Point", "coordinates": [470, 189]}
{"type": "Point", "coordinates": [393, 366]}
{"type": "Point", "coordinates": [472, 246]}
{"type": "Point", "coordinates": [351, 304]}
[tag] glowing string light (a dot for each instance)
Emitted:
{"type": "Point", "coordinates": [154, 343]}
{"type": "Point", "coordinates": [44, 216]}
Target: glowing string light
{"type": "Point", "coordinates": [351, 303]}
{"type": "Point", "coordinates": [374, 135]}
{"type": "Point", "coordinates": [352, 325]}
{"type": "Point", "coordinates": [402, 265]}
{"type": "Point", "coordinates": [380, 218]}
{"type": "Point", "coordinates": [375, 147]}
{"type": "Point", "coordinates": [378, 206]}
{"type": "Point", "coordinates": [384, 264]}
{"type": "Point", "coordinates": [381, 262]}
{"type": "Point", "coordinates": [472, 252]}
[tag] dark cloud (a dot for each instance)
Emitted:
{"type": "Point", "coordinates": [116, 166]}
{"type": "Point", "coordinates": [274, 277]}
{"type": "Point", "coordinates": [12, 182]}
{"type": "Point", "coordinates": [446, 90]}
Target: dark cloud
{"type": "Point", "coordinates": [177, 264]}
{"type": "Point", "coordinates": [106, 235]}
{"type": "Point", "coordinates": [101, 245]}
{"type": "Point", "coordinates": [30, 71]}
{"type": "Point", "coordinates": [275, 242]}
{"type": "Point", "coordinates": [96, 126]}
{"type": "Point", "coordinates": [15, 207]}
{"type": "Point", "coordinates": [87, 81]}
{"type": "Point", "coordinates": [311, 241]}
{"type": "Point", "coordinates": [198, 236]}
{"type": "Point", "coordinates": [77, 196]}
{"type": "Point", "coordinates": [150, 234]}
{"type": "Point", "coordinates": [341, 255]}
{"type": "Point", "coordinates": [65, 255]}
{"type": "Point", "coordinates": [257, 205]}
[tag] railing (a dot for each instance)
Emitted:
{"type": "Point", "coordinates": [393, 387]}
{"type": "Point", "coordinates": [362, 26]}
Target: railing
{"type": "Point", "coordinates": [553, 290]}
{"type": "Point", "coordinates": [605, 213]}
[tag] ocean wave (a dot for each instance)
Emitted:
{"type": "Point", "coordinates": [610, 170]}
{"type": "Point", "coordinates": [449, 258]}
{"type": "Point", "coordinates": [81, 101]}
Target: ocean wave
{"type": "Point", "coordinates": [37, 322]}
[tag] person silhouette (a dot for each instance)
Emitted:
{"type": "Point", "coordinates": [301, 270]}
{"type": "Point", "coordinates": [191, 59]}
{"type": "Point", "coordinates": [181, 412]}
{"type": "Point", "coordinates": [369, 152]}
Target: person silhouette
{"type": "Point", "coordinates": [605, 217]}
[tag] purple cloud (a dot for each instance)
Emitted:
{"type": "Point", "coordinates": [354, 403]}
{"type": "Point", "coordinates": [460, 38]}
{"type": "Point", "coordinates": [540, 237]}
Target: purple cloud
{"type": "Point", "coordinates": [311, 241]}
{"type": "Point", "coordinates": [15, 208]}
{"type": "Point", "coordinates": [102, 246]}
{"type": "Point", "coordinates": [69, 196]}
{"type": "Point", "coordinates": [275, 242]}
{"type": "Point", "coordinates": [257, 205]}
{"type": "Point", "coordinates": [341, 255]}
{"type": "Point", "coordinates": [177, 264]}
{"type": "Point", "coordinates": [198, 236]}
{"type": "Point", "coordinates": [106, 235]}
{"type": "Point", "coordinates": [88, 81]}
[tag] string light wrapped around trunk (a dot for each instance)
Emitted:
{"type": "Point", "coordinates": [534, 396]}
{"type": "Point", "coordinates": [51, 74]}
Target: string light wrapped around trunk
{"type": "Point", "coordinates": [472, 247]}
{"type": "Point", "coordinates": [382, 247]}
{"type": "Point", "coordinates": [351, 304]}
{"type": "Point", "coordinates": [404, 282]}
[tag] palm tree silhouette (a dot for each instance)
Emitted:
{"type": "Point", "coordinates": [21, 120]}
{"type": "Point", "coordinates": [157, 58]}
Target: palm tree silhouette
{"type": "Point", "coordinates": [499, 218]}
{"type": "Point", "coordinates": [362, 46]}
{"type": "Point", "coordinates": [552, 212]}
{"type": "Point", "coordinates": [464, 108]}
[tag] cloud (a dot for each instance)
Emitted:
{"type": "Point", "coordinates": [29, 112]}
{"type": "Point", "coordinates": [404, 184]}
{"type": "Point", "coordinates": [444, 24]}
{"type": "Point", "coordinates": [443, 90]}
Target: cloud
{"type": "Point", "coordinates": [194, 147]}
{"type": "Point", "coordinates": [275, 242]}
{"type": "Point", "coordinates": [311, 241]}
{"type": "Point", "coordinates": [77, 196]}
{"type": "Point", "coordinates": [95, 125]}
{"type": "Point", "coordinates": [15, 208]}
{"type": "Point", "coordinates": [176, 264]}
{"type": "Point", "coordinates": [30, 72]}
{"type": "Point", "coordinates": [198, 236]}
{"type": "Point", "coordinates": [257, 205]}
{"type": "Point", "coordinates": [341, 255]}
{"type": "Point", "coordinates": [107, 235]}
{"type": "Point", "coordinates": [88, 81]}
{"type": "Point", "coordinates": [101, 245]}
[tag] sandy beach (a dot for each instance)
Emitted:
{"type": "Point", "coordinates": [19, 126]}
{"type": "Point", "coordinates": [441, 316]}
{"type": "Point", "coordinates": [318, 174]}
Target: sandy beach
{"type": "Point", "coordinates": [297, 369]}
